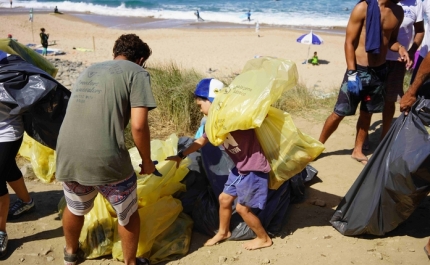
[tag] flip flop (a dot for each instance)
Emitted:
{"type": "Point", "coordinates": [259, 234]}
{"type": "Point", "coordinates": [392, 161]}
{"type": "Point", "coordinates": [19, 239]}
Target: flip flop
{"type": "Point", "coordinates": [361, 160]}
{"type": "Point", "coordinates": [425, 250]}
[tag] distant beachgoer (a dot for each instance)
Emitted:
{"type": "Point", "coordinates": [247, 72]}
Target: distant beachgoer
{"type": "Point", "coordinates": [56, 10]}
{"type": "Point", "coordinates": [249, 15]}
{"type": "Point", "coordinates": [315, 59]}
{"type": "Point", "coordinates": [44, 41]}
{"type": "Point", "coordinates": [198, 15]}
{"type": "Point", "coordinates": [257, 28]}
{"type": "Point", "coordinates": [9, 36]}
{"type": "Point", "coordinates": [10, 3]}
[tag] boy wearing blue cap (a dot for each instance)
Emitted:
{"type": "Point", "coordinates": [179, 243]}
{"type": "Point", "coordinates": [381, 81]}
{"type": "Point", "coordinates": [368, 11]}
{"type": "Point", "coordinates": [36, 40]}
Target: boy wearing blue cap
{"type": "Point", "coordinates": [248, 181]}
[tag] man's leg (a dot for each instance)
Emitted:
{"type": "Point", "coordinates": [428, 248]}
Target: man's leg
{"type": "Point", "coordinates": [72, 226]}
{"type": "Point", "coordinates": [262, 240]}
{"type": "Point", "coordinates": [363, 125]}
{"type": "Point", "coordinates": [225, 211]}
{"type": "Point", "coordinates": [387, 117]}
{"type": "Point", "coordinates": [330, 126]}
{"type": "Point", "coordinates": [80, 201]}
{"type": "Point", "coordinates": [123, 198]}
{"type": "Point", "coordinates": [129, 235]}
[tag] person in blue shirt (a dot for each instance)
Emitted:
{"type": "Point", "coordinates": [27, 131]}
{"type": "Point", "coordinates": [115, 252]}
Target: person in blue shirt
{"type": "Point", "coordinates": [249, 15]}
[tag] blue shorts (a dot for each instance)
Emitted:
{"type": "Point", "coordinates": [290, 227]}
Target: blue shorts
{"type": "Point", "coordinates": [251, 189]}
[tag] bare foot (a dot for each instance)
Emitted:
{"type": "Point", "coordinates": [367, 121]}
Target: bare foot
{"type": "Point", "coordinates": [362, 160]}
{"type": "Point", "coordinates": [257, 243]}
{"type": "Point", "coordinates": [217, 238]}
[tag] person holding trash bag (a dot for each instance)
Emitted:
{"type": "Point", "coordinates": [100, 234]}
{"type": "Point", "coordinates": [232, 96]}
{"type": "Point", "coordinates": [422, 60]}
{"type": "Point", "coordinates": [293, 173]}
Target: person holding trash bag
{"type": "Point", "coordinates": [248, 181]}
{"type": "Point", "coordinates": [379, 22]}
{"type": "Point", "coordinates": [91, 154]}
{"type": "Point", "coordinates": [11, 136]}
{"type": "Point", "coordinates": [422, 76]}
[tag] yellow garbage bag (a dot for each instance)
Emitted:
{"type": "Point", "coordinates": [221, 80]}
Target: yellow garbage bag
{"type": "Point", "coordinates": [42, 158]}
{"type": "Point", "coordinates": [245, 102]}
{"type": "Point", "coordinates": [154, 219]}
{"type": "Point", "coordinates": [287, 149]}
{"type": "Point", "coordinates": [173, 242]}
{"type": "Point", "coordinates": [97, 235]}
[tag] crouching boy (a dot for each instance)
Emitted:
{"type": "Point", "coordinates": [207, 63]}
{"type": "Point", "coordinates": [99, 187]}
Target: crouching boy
{"type": "Point", "coordinates": [248, 181]}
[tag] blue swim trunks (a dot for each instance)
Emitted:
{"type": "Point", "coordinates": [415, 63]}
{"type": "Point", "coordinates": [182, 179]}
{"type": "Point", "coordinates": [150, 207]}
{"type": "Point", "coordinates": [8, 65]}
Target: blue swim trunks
{"type": "Point", "coordinates": [251, 189]}
{"type": "Point", "coordinates": [372, 95]}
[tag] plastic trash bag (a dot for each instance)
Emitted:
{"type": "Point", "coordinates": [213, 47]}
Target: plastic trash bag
{"type": "Point", "coordinates": [97, 235]}
{"type": "Point", "coordinates": [287, 149]}
{"type": "Point", "coordinates": [154, 219]}
{"type": "Point", "coordinates": [26, 53]}
{"type": "Point", "coordinates": [158, 210]}
{"type": "Point", "coordinates": [245, 103]}
{"type": "Point", "coordinates": [27, 90]}
{"type": "Point", "coordinates": [174, 241]}
{"type": "Point", "coordinates": [42, 158]}
{"type": "Point", "coordinates": [394, 181]}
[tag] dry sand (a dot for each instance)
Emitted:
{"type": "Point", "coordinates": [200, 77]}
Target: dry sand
{"type": "Point", "coordinates": [308, 236]}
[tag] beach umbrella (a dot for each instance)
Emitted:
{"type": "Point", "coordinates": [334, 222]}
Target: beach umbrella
{"type": "Point", "coordinates": [310, 39]}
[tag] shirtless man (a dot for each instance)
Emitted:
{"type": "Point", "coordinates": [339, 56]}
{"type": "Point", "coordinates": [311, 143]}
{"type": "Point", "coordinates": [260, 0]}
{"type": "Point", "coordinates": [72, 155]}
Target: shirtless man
{"type": "Point", "coordinates": [366, 70]}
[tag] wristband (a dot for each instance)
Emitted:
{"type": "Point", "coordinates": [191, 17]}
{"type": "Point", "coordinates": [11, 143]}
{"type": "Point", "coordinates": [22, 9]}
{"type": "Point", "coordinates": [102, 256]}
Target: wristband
{"type": "Point", "coordinates": [181, 155]}
{"type": "Point", "coordinates": [400, 46]}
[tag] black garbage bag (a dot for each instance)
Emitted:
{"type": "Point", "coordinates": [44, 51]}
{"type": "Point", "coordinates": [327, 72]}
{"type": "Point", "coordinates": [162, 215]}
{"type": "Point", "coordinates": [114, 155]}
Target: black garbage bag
{"type": "Point", "coordinates": [30, 91]}
{"type": "Point", "coordinates": [394, 181]}
{"type": "Point", "coordinates": [205, 213]}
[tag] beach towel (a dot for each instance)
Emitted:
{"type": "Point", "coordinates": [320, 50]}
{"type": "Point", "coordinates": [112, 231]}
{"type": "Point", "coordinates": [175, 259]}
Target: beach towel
{"type": "Point", "coordinates": [373, 27]}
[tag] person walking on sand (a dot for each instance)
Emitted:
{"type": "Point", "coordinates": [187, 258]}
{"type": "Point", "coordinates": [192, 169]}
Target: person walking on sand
{"type": "Point", "coordinates": [372, 29]}
{"type": "Point", "coordinates": [11, 135]}
{"type": "Point", "coordinates": [248, 181]}
{"type": "Point", "coordinates": [92, 157]}
{"type": "Point", "coordinates": [412, 23]}
{"type": "Point", "coordinates": [10, 3]}
{"type": "Point", "coordinates": [248, 15]}
{"type": "Point", "coordinates": [44, 41]}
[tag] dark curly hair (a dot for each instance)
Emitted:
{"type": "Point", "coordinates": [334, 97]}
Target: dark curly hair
{"type": "Point", "coordinates": [132, 47]}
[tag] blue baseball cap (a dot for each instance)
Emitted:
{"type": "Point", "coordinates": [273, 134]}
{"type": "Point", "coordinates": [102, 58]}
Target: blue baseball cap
{"type": "Point", "coordinates": [208, 87]}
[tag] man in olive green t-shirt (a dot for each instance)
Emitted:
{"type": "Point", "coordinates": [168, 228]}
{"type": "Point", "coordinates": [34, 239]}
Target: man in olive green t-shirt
{"type": "Point", "coordinates": [91, 154]}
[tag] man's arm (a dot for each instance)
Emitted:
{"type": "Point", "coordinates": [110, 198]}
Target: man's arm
{"type": "Point", "coordinates": [418, 38]}
{"type": "Point", "coordinates": [353, 32]}
{"type": "Point", "coordinates": [410, 96]}
{"type": "Point", "coordinates": [141, 137]}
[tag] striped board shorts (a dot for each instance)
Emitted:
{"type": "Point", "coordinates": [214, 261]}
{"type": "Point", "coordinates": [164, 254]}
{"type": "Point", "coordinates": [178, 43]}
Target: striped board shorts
{"type": "Point", "coordinates": [121, 195]}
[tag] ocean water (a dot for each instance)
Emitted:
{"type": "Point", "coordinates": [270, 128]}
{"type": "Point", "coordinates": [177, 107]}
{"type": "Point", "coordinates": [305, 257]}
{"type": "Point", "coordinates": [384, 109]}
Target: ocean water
{"type": "Point", "coordinates": [301, 13]}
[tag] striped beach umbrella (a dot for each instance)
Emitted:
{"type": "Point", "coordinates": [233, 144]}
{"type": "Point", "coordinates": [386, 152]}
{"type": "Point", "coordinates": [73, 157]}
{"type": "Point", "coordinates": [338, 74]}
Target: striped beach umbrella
{"type": "Point", "coordinates": [310, 38]}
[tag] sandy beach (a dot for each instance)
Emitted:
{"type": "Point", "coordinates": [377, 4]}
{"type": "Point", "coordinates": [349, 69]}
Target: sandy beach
{"type": "Point", "coordinates": [224, 50]}
{"type": "Point", "coordinates": [307, 236]}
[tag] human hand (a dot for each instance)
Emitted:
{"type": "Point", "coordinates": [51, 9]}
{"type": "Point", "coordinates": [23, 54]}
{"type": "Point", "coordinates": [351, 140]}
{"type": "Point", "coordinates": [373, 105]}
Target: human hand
{"type": "Point", "coordinates": [175, 158]}
{"type": "Point", "coordinates": [406, 102]}
{"type": "Point", "coordinates": [147, 167]}
{"type": "Point", "coordinates": [404, 57]}
{"type": "Point", "coordinates": [354, 83]}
